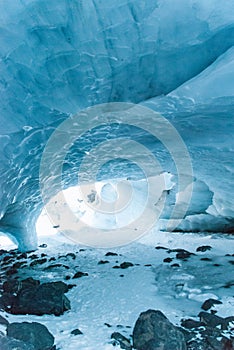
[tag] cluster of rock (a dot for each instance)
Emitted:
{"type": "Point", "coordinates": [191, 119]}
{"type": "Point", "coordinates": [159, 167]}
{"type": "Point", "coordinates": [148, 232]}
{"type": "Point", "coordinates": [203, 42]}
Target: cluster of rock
{"type": "Point", "coordinates": [153, 331]}
{"type": "Point", "coordinates": [29, 296]}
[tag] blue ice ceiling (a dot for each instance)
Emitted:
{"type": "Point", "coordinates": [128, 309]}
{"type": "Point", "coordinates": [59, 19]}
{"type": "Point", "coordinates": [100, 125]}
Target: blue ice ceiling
{"type": "Point", "coordinates": [174, 56]}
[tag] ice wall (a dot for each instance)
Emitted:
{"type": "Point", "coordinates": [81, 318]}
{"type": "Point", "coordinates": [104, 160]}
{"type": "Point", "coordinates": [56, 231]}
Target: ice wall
{"type": "Point", "coordinates": [57, 57]}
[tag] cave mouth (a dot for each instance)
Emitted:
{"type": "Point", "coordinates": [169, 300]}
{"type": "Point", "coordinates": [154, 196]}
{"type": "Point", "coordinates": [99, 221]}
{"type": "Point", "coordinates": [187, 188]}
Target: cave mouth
{"type": "Point", "coordinates": [107, 205]}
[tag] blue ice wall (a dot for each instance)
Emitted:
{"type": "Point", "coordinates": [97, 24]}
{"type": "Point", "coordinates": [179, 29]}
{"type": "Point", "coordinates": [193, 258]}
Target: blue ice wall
{"type": "Point", "coordinates": [57, 57]}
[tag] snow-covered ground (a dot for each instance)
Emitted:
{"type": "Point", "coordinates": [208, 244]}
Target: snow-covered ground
{"type": "Point", "coordinates": [117, 296]}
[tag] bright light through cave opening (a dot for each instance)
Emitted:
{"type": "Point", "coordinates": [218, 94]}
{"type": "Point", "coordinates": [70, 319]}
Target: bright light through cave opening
{"type": "Point", "coordinates": [124, 201]}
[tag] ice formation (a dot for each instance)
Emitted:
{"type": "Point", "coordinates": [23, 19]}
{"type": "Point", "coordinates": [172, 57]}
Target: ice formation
{"type": "Point", "coordinates": [58, 57]}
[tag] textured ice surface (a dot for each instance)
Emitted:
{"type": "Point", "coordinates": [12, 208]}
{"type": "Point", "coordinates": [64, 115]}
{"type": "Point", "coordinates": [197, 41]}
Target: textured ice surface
{"type": "Point", "coordinates": [57, 57]}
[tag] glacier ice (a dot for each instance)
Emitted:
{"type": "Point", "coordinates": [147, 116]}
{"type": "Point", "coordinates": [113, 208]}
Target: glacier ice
{"type": "Point", "coordinates": [58, 57]}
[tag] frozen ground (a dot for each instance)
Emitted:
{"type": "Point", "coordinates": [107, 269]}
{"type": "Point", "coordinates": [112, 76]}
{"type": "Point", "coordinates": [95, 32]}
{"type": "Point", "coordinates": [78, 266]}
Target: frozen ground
{"type": "Point", "coordinates": [104, 296]}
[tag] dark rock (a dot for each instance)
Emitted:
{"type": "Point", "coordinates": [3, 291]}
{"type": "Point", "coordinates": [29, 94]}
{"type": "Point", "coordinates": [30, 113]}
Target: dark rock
{"type": "Point", "coordinates": [71, 255]}
{"type": "Point", "coordinates": [7, 258]}
{"type": "Point", "coordinates": [198, 345]}
{"type": "Point", "coordinates": [116, 267]}
{"type": "Point", "coordinates": [33, 333]}
{"type": "Point", "coordinates": [111, 254]}
{"type": "Point", "coordinates": [209, 303]}
{"type": "Point", "coordinates": [153, 331]}
{"type": "Point", "coordinates": [203, 248]}
{"type": "Point", "coordinates": [190, 323]}
{"type": "Point", "coordinates": [168, 260]}
{"type": "Point", "coordinates": [183, 254]}
{"type": "Point", "coordinates": [206, 259]}
{"type": "Point", "coordinates": [51, 267]}
{"type": "Point", "coordinates": [126, 265]}
{"type": "Point", "coordinates": [229, 284]}
{"type": "Point", "coordinates": [214, 340]}
{"type": "Point", "coordinates": [175, 265]}
{"type": "Point", "coordinates": [80, 274]}
{"type": "Point", "coordinates": [52, 259]}
{"type": "Point", "coordinates": [38, 262]}
{"type": "Point", "coordinates": [229, 318]}
{"type": "Point", "coordinates": [22, 256]}
{"type": "Point", "coordinates": [107, 324]}
{"type": "Point", "coordinates": [43, 245]}
{"type": "Point", "coordinates": [76, 332]}
{"type": "Point", "coordinates": [212, 321]}
{"type": "Point", "coordinates": [3, 321]}
{"type": "Point", "coordinates": [33, 256]}
{"type": "Point", "coordinates": [7, 343]}
{"type": "Point", "coordinates": [122, 341]}
{"type": "Point", "coordinates": [31, 297]}
{"type": "Point", "coordinates": [18, 264]}
{"type": "Point", "coordinates": [160, 247]}
{"type": "Point", "coordinates": [70, 286]}
{"type": "Point", "coordinates": [11, 271]}
{"type": "Point", "coordinates": [13, 285]}
{"type": "Point", "coordinates": [148, 265]}
{"type": "Point", "coordinates": [102, 262]}
{"type": "Point", "coordinates": [231, 262]}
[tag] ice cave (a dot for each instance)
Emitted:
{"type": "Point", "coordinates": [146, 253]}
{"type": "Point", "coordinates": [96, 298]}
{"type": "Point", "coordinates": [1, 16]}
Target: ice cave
{"type": "Point", "coordinates": [60, 57]}
{"type": "Point", "coordinates": [164, 71]}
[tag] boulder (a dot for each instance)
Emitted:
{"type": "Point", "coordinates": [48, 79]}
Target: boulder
{"type": "Point", "coordinates": [31, 297]}
{"type": "Point", "coordinates": [7, 343]}
{"type": "Point", "coordinates": [153, 331]}
{"type": "Point", "coordinates": [122, 341]}
{"type": "Point", "coordinates": [34, 334]}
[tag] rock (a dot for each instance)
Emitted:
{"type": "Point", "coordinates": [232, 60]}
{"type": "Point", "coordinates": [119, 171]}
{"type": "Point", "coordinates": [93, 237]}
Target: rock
{"type": "Point", "coordinates": [126, 265]}
{"type": "Point", "coordinates": [7, 343]}
{"type": "Point", "coordinates": [160, 247]}
{"type": "Point", "coordinates": [214, 339]}
{"type": "Point", "coordinates": [71, 255]}
{"type": "Point", "coordinates": [183, 254]}
{"type": "Point", "coordinates": [198, 345]}
{"type": "Point", "coordinates": [203, 248]}
{"type": "Point", "coordinates": [44, 245]}
{"type": "Point", "coordinates": [209, 303]}
{"type": "Point", "coordinates": [11, 271]}
{"type": "Point", "coordinates": [206, 259]}
{"type": "Point", "coordinates": [22, 256]}
{"type": "Point", "coordinates": [31, 297]}
{"type": "Point", "coordinates": [38, 262]}
{"type": "Point", "coordinates": [111, 254]}
{"type": "Point", "coordinates": [80, 274]}
{"type": "Point", "coordinates": [212, 321]}
{"type": "Point", "coordinates": [190, 323]}
{"type": "Point", "coordinates": [33, 333]}
{"type": "Point", "coordinates": [3, 321]}
{"type": "Point", "coordinates": [108, 325]}
{"type": "Point", "coordinates": [168, 260]}
{"type": "Point", "coordinates": [52, 259]}
{"type": "Point", "coordinates": [51, 267]}
{"type": "Point", "coordinates": [153, 331]}
{"type": "Point", "coordinates": [33, 256]}
{"type": "Point", "coordinates": [102, 262]}
{"type": "Point", "coordinates": [175, 265]}
{"type": "Point", "coordinates": [76, 332]}
{"type": "Point", "coordinates": [122, 341]}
